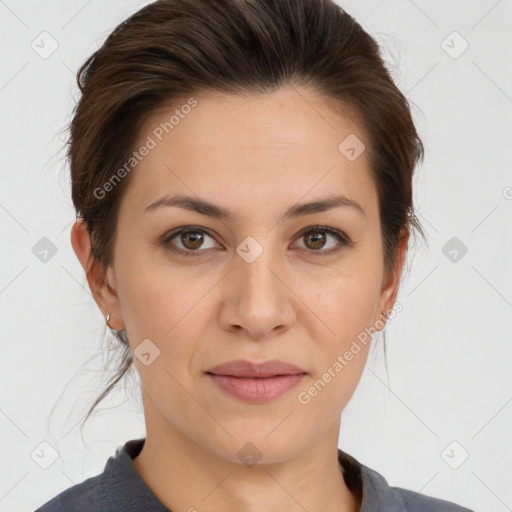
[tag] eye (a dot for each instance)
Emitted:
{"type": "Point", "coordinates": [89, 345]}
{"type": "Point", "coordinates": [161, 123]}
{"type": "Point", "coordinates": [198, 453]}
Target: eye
{"type": "Point", "coordinates": [192, 239]}
{"type": "Point", "coordinates": [316, 239]}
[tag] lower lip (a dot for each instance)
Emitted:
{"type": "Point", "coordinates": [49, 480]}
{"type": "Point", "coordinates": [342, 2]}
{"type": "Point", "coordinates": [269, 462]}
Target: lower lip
{"type": "Point", "coordinates": [256, 390]}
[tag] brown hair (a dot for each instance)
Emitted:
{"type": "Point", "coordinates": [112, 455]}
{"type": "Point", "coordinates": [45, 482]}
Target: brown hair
{"type": "Point", "coordinates": [175, 48]}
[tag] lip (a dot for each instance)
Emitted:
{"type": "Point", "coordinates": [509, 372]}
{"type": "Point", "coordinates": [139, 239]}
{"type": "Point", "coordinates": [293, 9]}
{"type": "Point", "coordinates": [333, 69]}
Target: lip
{"type": "Point", "coordinates": [256, 382]}
{"type": "Point", "coordinates": [256, 389]}
{"type": "Point", "coordinates": [244, 368]}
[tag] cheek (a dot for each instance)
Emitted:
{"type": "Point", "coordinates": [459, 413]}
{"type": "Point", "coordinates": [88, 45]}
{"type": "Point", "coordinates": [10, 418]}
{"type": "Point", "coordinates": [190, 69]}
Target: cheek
{"type": "Point", "coordinates": [342, 353]}
{"type": "Point", "coordinates": [155, 309]}
{"type": "Point", "coordinates": [150, 292]}
{"type": "Point", "coordinates": [166, 306]}
{"type": "Point", "coordinates": [146, 304]}
{"type": "Point", "coordinates": [342, 303]}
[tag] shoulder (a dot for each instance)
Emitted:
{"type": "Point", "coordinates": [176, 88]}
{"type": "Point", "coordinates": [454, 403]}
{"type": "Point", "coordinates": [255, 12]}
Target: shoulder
{"type": "Point", "coordinates": [415, 502]}
{"type": "Point", "coordinates": [387, 498]}
{"type": "Point", "coordinates": [82, 497]}
{"type": "Point", "coordinates": [119, 487]}
{"type": "Point", "coordinates": [99, 492]}
{"type": "Point", "coordinates": [377, 495]}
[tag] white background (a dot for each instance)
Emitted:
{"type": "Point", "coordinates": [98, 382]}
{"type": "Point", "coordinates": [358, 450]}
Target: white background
{"type": "Point", "coordinates": [449, 351]}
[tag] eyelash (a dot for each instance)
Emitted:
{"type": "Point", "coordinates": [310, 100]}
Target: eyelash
{"type": "Point", "coordinates": [342, 239]}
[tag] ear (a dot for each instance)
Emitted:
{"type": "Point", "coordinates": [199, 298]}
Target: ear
{"type": "Point", "coordinates": [391, 282]}
{"type": "Point", "coordinates": [101, 282]}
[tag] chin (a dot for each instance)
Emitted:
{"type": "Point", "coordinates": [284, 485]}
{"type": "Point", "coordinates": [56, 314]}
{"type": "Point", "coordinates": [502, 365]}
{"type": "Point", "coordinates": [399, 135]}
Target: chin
{"type": "Point", "coordinates": [257, 443]}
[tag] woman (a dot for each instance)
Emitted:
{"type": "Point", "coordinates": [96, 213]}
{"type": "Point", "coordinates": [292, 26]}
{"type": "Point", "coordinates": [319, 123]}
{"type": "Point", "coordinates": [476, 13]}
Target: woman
{"type": "Point", "coordinates": [242, 176]}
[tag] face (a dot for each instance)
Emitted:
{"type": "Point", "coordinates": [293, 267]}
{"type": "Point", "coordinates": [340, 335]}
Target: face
{"type": "Point", "coordinates": [257, 285]}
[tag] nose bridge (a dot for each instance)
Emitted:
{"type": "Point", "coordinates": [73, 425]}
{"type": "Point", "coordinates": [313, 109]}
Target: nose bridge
{"type": "Point", "coordinates": [256, 261]}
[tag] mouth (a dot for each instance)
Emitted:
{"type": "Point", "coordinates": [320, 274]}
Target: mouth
{"type": "Point", "coordinates": [248, 369]}
{"type": "Point", "coordinates": [256, 382]}
{"type": "Point", "coordinates": [256, 389]}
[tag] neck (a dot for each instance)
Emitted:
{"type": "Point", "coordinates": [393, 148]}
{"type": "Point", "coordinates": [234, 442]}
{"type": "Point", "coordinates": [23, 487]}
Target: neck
{"type": "Point", "coordinates": [185, 476]}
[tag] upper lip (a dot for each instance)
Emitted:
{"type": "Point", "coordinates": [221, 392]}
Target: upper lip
{"type": "Point", "coordinates": [243, 368]}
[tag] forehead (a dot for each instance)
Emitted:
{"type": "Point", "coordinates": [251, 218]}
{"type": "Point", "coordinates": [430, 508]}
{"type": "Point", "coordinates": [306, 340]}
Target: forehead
{"type": "Point", "coordinates": [242, 152]}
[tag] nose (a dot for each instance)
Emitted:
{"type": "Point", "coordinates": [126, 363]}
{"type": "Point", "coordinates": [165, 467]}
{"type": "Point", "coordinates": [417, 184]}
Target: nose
{"type": "Point", "coordinates": [260, 301]}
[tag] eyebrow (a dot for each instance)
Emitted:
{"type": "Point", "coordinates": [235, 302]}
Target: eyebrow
{"type": "Point", "coordinates": [211, 210]}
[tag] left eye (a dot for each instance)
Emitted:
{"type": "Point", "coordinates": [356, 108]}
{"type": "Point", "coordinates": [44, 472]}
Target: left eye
{"type": "Point", "coordinates": [192, 238]}
{"type": "Point", "coordinates": [317, 236]}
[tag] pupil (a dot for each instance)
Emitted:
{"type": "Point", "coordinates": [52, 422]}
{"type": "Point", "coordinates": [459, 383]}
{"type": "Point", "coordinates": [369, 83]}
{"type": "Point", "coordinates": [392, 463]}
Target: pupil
{"type": "Point", "coordinates": [196, 240]}
{"type": "Point", "coordinates": [318, 237]}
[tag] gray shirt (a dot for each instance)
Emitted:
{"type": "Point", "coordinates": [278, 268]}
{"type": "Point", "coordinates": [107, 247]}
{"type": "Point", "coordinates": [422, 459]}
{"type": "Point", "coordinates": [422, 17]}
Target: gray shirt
{"type": "Point", "coordinates": [120, 489]}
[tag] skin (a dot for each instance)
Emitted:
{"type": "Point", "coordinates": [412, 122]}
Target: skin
{"type": "Point", "coordinates": [256, 156]}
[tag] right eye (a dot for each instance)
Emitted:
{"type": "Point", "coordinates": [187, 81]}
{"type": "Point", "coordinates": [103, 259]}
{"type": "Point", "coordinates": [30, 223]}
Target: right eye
{"type": "Point", "coordinates": [191, 238]}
